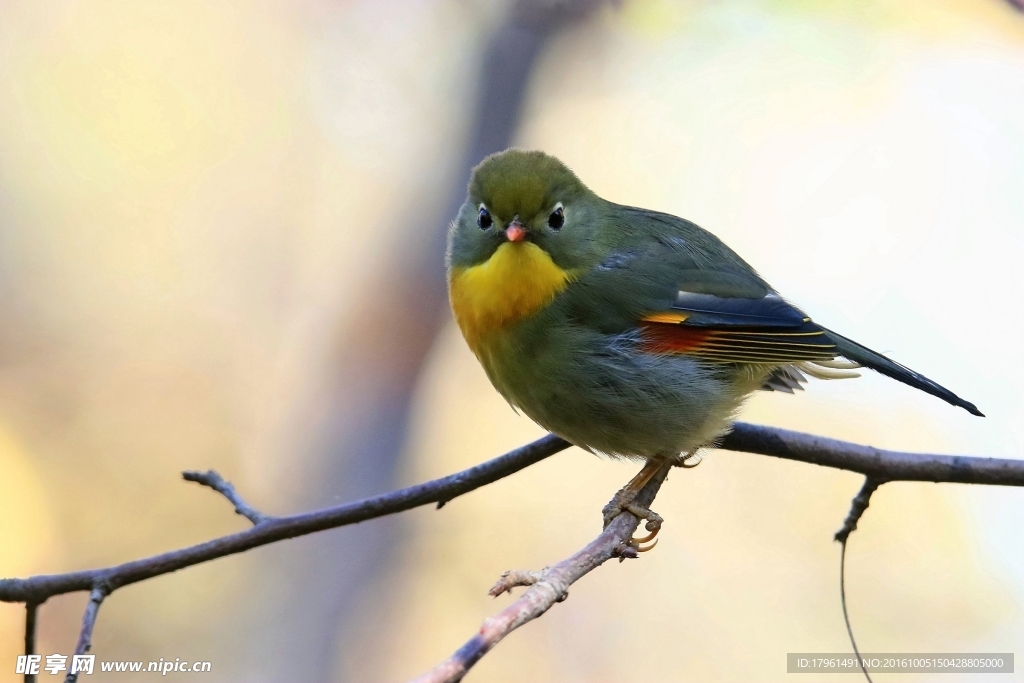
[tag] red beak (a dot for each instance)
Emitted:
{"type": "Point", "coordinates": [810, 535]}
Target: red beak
{"type": "Point", "coordinates": [515, 232]}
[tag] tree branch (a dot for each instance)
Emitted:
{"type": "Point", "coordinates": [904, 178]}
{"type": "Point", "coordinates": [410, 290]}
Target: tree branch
{"type": "Point", "coordinates": [92, 610]}
{"type": "Point", "coordinates": [31, 611]}
{"type": "Point", "coordinates": [781, 443]}
{"type": "Point", "coordinates": [857, 507]}
{"type": "Point", "coordinates": [225, 488]}
{"type": "Point", "coordinates": [878, 466]}
{"type": "Point", "coordinates": [874, 462]}
{"type": "Point", "coordinates": [546, 587]}
{"type": "Point", "coordinates": [39, 588]}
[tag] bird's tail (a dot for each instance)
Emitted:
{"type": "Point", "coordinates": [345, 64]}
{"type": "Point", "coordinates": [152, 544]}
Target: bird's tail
{"type": "Point", "coordinates": [864, 356]}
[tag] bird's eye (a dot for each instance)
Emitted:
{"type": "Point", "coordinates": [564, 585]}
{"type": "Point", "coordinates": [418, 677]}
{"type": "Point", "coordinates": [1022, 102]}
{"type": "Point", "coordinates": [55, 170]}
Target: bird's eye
{"type": "Point", "coordinates": [484, 220]}
{"type": "Point", "coordinates": [557, 218]}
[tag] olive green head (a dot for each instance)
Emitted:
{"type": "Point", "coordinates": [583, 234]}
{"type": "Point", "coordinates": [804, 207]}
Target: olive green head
{"type": "Point", "coordinates": [526, 196]}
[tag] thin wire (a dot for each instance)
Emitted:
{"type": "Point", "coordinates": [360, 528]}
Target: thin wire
{"type": "Point", "coordinates": [846, 616]}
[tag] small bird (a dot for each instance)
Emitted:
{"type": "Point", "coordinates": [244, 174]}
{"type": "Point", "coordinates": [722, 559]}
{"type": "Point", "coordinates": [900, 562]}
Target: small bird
{"type": "Point", "coordinates": [628, 332]}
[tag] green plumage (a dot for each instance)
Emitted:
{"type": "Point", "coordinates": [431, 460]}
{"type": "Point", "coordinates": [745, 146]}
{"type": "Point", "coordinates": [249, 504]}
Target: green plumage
{"type": "Point", "coordinates": [581, 366]}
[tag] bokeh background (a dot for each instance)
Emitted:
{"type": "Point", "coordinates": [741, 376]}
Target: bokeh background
{"type": "Point", "coordinates": [221, 237]}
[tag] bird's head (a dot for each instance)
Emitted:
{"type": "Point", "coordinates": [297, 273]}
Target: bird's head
{"type": "Point", "coordinates": [521, 198]}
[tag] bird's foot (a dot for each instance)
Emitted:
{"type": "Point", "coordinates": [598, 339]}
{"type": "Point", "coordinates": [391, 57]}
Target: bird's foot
{"type": "Point", "coordinates": [625, 501]}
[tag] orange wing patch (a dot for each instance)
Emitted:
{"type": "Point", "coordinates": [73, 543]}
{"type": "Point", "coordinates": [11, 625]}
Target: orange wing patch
{"type": "Point", "coordinates": [670, 317]}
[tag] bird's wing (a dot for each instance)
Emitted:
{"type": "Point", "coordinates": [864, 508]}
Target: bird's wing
{"type": "Point", "coordinates": [769, 331]}
{"type": "Point", "coordinates": [764, 331]}
{"type": "Point", "coordinates": [688, 293]}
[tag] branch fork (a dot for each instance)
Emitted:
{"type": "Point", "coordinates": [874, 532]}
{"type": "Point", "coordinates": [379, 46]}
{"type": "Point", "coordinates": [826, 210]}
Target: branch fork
{"type": "Point", "coordinates": [546, 587]}
{"type": "Point", "coordinates": [224, 487]}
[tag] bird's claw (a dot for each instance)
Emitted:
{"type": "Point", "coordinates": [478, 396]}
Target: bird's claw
{"type": "Point", "coordinates": [623, 501]}
{"type": "Point", "coordinates": [690, 461]}
{"type": "Point", "coordinates": [654, 522]}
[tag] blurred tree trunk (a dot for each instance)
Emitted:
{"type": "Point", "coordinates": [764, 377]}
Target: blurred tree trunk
{"type": "Point", "coordinates": [378, 366]}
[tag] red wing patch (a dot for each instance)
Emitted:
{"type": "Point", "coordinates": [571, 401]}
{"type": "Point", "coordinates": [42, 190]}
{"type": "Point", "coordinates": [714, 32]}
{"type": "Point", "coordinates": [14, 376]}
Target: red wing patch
{"type": "Point", "coordinates": [668, 338]}
{"type": "Point", "coordinates": [739, 345]}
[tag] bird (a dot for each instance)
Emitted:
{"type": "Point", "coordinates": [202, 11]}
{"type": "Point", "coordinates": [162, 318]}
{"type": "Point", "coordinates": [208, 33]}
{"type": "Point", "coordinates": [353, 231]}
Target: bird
{"type": "Point", "coordinates": [628, 332]}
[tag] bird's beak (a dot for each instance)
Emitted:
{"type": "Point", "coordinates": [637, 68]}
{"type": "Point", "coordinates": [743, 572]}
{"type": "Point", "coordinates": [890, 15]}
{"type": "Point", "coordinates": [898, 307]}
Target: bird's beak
{"type": "Point", "coordinates": [515, 232]}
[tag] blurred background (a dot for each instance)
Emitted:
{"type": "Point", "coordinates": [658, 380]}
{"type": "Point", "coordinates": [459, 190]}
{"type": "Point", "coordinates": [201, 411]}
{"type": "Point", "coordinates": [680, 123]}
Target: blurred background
{"type": "Point", "coordinates": [221, 245]}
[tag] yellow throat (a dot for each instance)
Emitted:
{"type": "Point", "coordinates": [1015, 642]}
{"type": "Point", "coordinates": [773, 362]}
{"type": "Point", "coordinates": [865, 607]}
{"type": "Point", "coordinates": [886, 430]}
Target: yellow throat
{"type": "Point", "coordinates": [519, 279]}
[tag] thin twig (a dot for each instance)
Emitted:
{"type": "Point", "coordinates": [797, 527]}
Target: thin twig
{"type": "Point", "coordinates": [546, 588]}
{"type": "Point", "coordinates": [92, 610]}
{"type": "Point", "coordinates": [857, 507]}
{"type": "Point", "coordinates": [224, 487]}
{"type": "Point", "coordinates": [846, 615]}
{"type": "Point", "coordinates": [31, 611]}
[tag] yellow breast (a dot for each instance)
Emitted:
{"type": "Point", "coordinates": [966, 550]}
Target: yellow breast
{"type": "Point", "coordinates": [518, 280]}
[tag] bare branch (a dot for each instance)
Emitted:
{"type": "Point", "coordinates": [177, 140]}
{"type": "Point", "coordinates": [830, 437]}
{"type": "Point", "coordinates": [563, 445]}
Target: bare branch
{"type": "Point", "coordinates": [225, 488]}
{"type": "Point", "coordinates": [842, 598]}
{"type": "Point", "coordinates": [92, 610]}
{"type": "Point", "coordinates": [857, 508]}
{"type": "Point", "coordinates": [546, 587]}
{"type": "Point", "coordinates": [39, 588]}
{"type": "Point", "coordinates": [514, 578]}
{"type": "Point", "coordinates": [874, 462]}
{"type": "Point", "coordinates": [781, 443]}
{"type": "Point", "coordinates": [877, 464]}
{"type": "Point", "coordinates": [31, 611]}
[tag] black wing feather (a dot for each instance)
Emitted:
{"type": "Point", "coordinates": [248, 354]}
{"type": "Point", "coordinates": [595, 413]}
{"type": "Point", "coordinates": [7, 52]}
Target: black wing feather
{"type": "Point", "coordinates": [768, 330]}
{"type": "Point", "coordinates": [890, 368]}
